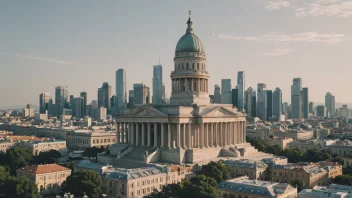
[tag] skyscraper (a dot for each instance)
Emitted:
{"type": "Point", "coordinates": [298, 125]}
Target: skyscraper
{"type": "Point", "coordinates": [217, 94]}
{"type": "Point", "coordinates": [157, 84]}
{"type": "Point", "coordinates": [141, 94]}
{"type": "Point", "coordinates": [121, 88]}
{"type": "Point", "coordinates": [61, 98]}
{"type": "Point", "coordinates": [285, 110]}
{"type": "Point", "coordinates": [311, 107]}
{"type": "Point", "coordinates": [44, 99]}
{"type": "Point", "coordinates": [296, 99]}
{"type": "Point", "coordinates": [130, 98]}
{"type": "Point", "coordinates": [226, 89]}
{"type": "Point", "coordinates": [261, 102]}
{"type": "Point", "coordinates": [248, 105]}
{"type": "Point", "coordinates": [269, 104]}
{"type": "Point", "coordinates": [78, 107]}
{"type": "Point", "coordinates": [330, 105]}
{"type": "Point", "coordinates": [321, 111]}
{"type": "Point", "coordinates": [240, 87]}
{"type": "Point", "coordinates": [277, 103]}
{"type": "Point", "coordinates": [254, 104]}
{"type": "Point", "coordinates": [83, 94]}
{"type": "Point", "coordinates": [305, 103]}
{"type": "Point", "coordinates": [104, 95]}
{"type": "Point", "coordinates": [235, 97]}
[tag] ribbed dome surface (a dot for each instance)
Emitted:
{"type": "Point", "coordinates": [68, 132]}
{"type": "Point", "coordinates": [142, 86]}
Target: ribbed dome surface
{"type": "Point", "coordinates": [189, 43]}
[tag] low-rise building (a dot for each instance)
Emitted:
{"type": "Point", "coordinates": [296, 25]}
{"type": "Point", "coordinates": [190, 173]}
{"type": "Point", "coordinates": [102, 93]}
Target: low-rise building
{"type": "Point", "coordinates": [282, 142]}
{"type": "Point", "coordinates": [80, 140]}
{"type": "Point", "coordinates": [296, 134]}
{"type": "Point", "coordinates": [247, 188]}
{"type": "Point", "coordinates": [5, 145]}
{"type": "Point", "coordinates": [252, 169]}
{"type": "Point", "coordinates": [47, 177]}
{"type": "Point", "coordinates": [333, 190]}
{"type": "Point", "coordinates": [347, 161]}
{"type": "Point", "coordinates": [43, 146]}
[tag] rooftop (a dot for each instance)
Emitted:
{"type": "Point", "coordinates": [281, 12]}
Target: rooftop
{"type": "Point", "coordinates": [131, 174]}
{"type": "Point", "coordinates": [46, 168]}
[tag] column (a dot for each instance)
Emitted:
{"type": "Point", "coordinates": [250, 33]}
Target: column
{"type": "Point", "coordinates": [198, 85]}
{"type": "Point", "coordinates": [211, 134]}
{"type": "Point", "coordinates": [118, 133]}
{"type": "Point", "coordinates": [169, 135]}
{"type": "Point", "coordinates": [244, 131]}
{"type": "Point", "coordinates": [186, 85]}
{"type": "Point", "coordinates": [123, 133]}
{"type": "Point", "coordinates": [201, 135]}
{"type": "Point", "coordinates": [216, 133]}
{"type": "Point", "coordinates": [189, 135]}
{"type": "Point", "coordinates": [132, 134]}
{"type": "Point", "coordinates": [143, 134]}
{"type": "Point", "coordinates": [162, 135]}
{"type": "Point", "coordinates": [183, 141]}
{"type": "Point", "coordinates": [226, 132]}
{"type": "Point", "coordinates": [178, 145]}
{"type": "Point", "coordinates": [192, 87]}
{"type": "Point", "coordinates": [238, 132]}
{"type": "Point", "coordinates": [148, 135]}
{"type": "Point", "coordinates": [206, 141]}
{"type": "Point", "coordinates": [155, 134]}
{"type": "Point", "coordinates": [128, 133]}
{"type": "Point", "coordinates": [137, 134]}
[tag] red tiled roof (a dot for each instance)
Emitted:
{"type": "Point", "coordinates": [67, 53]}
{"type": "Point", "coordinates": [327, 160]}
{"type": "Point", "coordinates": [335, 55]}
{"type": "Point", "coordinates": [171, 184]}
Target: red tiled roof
{"type": "Point", "coordinates": [46, 168]}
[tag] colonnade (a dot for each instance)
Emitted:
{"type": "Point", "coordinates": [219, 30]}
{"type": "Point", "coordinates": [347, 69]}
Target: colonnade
{"type": "Point", "coordinates": [182, 135]}
{"type": "Point", "coordinates": [189, 85]}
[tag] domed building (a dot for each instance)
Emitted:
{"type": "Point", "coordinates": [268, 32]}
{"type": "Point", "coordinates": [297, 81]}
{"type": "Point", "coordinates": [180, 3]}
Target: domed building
{"type": "Point", "coordinates": [188, 130]}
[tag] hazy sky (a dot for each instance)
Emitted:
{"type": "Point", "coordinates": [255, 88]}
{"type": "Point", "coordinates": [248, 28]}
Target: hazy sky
{"type": "Point", "coordinates": [80, 44]}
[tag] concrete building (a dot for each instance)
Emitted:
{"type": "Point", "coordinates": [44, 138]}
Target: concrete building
{"type": "Point", "coordinates": [104, 95]}
{"type": "Point", "coordinates": [99, 113]}
{"type": "Point", "coordinates": [141, 94]}
{"type": "Point", "coordinates": [36, 147]}
{"type": "Point", "coordinates": [82, 139]}
{"type": "Point", "coordinates": [47, 177]}
{"type": "Point", "coordinates": [252, 169]}
{"type": "Point", "coordinates": [261, 101]}
{"type": "Point", "coordinates": [330, 105]}
{"type": "Point", "coordinates": [189, 129]}
{"type": "Point", "coordinates": [321, 111]}
{"type": "Point", "coordinates": [226, 88]}
{"type": "Point", "coordinates": [333, 190]}
{"type": "Point", "coordinates": [28, 111]}
{"type": "Point", "coordinates": [305, 103]}
{"type": "Point", "coordinates": [250, 102]}
{"type": "Point", "coordinates": [296, 99]}
{"type": "Point", "coordinates": [121, 89]}
{"type": "Point", "coordinates": [61, 98]}
{"type": "Point", "coordinates": [245, 187]}
{"type": "Point", "coordinates": [282, 142]}
{"type": "Point", "coordinates": [217, 94]}
{"type": "Point", "coordinates": [157, 84]}
{"type": "Point", "coordinates": [277, 104]}
{"type": "Point", "coordinates": [240, 87]}
{"type": "Point", "coordinates": [44, 99]}
{"type": "Point", "coordinates": [269, 104]}
{"type": "Point", "coordinates": [78, 108]}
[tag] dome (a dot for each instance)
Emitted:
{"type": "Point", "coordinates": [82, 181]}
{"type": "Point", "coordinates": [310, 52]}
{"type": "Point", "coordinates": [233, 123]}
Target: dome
{"type": "Point", "coordinates": [189, 42]}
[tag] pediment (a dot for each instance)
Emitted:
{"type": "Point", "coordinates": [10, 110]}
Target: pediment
{"type": "Point", "coordinates": [147, 111]}
{"type": "Point", "coordinates": [219, 111]}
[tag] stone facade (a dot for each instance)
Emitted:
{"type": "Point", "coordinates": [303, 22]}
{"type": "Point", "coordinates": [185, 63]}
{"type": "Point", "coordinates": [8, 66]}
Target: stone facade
{"type": "Point", "coordinates": [85, 139]}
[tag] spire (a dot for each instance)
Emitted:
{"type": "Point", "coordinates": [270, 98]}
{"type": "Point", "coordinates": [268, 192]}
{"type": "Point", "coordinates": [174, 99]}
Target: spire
{"type": "Point", "coordinates": [189, 23]}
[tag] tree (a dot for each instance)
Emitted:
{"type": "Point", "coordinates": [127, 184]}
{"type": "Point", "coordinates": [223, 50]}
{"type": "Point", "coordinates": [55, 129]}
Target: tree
{"type": "Point", "coordinates": [92, 151]}
{"type": "Point", "coordinates": [216, 170]}
{"type": "Point", "coordinates": [347, 170]}
{"type": "Point", "coordinates": [343, 180]}
{"type": "Point", "coordinates": [20, 187]}
{"type": "Point", "coordinates": [86, 181]}
{"type": "Point", "coordinates": [48, 157]}
{"type": "Point", "coordinates": [70, 165]}
{"type": "Point", "coordinates": [17, 158]}
{"type": "Point", "coordinates": [170, 190]}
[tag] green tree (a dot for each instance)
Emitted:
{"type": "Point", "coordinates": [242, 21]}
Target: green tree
{"type": "Point", "coordinates": [17, 158]}
{"type": "Point", "coordinates": [86, 181]}
{"type": "Point", "coordinates": [170, 190]}
{"type": "Point", "coordinates": [70, 165]}
{"type": "Point", "coordinates": [343, 180]}
{"type": "Point", "coordinates": [347, 170]}
{"type": "Point", "coordinates": [203, 189]}
{"type": "Point", "coordinates": [92, 151]}
{"type": "Point", "coordinates": [217, 171]}
{"type": "Point", "coordinates": [21, 188]}
{"type": "Point", "coordinates": [48, 157]}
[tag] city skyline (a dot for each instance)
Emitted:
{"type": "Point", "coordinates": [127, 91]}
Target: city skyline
{"type": "Point", "coordinates": [39, 67]}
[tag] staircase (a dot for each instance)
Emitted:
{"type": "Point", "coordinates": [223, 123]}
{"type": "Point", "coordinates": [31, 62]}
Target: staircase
{"type": "Point", "coordinates": [133, 159]}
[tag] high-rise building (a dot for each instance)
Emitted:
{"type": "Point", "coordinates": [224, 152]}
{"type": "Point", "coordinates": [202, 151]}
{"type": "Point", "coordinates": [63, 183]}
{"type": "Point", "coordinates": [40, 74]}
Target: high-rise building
{"type": "Point", "coordinates": [217, 94]}
{"type": "Point", "coordinates": [254, 104]}
{"type": "Point", "coordinates": [104, 95]}
{"type": "Point", "coordinates": [277, 103]}
{"type": "Point", "coordinates": [130, 98]}
{"type": "Point", "coordinates": [83, 95]}
{"type": "Point", "coordinates": [157, 84]}
{"type": "Point", "coordinates": [163, 93]}
{"type": "Point", "coordinates": [61, 98]}
{"type": "Point", "coordinates": [78, 107]}
{"type": "Point", "coordinates": [285, 110]}
{"type": "Point", "coordinates": [44, 99]}
{"type": "Point", "coordinates": [296, 99]}
{"type": "Point", "coordinates": [28, 111]}
{"type": "Point", "coordinates": [235, 97]}
{"type": "Point", "coordinates": [226, 89]}
{"type": "Point", "coordinates": [321, 111]}
{"type": "Point", "coordinates": [121, 89]}
{"type": "Point", "coordinates": [311, 107]}
{"type": "Point", "coordinates": [305, 103]}
{"type": "Point", "coordinates": [94, 104]}
{"type": "Point", "coordinates": [269, 104]}
{"type": "Point", "coordinates": [114, 105]}
{"type": "Point", "coordinates": [51, 108]}
{"type": "Point", "coordinates": [261, 101]}
{"type": "Point", "coordinates": [240, 87]}
{"type": "Point", "coordinates": [248, 104]}
{"type": "Point", "coordinates": [141, 94]}
{"type": "Point", "coordinates": [330, 105]}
